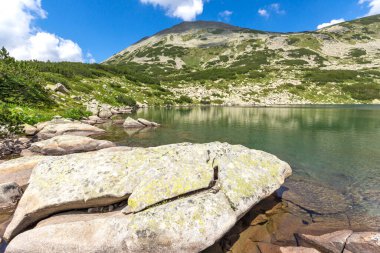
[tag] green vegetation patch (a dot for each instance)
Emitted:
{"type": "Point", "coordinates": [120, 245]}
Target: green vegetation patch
{"type": "Point", "coordinates": [294, 62]}
{"type": "Point", "coordinates": [357, 52]}
{"type": "Point", "coordinates": [305, 52]}
{"type": "Point", "coordinates": [360, 91]}
{"type": "Point", "coordinates": [326, 76]}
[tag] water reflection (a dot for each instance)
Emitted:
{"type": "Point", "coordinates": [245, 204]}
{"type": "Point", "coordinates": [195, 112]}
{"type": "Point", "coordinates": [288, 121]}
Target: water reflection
{"type": "Point", "coordinates": [336, 145]}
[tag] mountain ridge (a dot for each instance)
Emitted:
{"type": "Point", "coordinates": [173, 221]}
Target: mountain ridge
{"type": "Point", "coordinates": [219, 55]}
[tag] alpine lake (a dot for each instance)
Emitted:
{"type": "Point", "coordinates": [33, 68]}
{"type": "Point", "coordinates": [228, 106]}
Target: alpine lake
{"type": "Point", "coordinates": [335, 147]}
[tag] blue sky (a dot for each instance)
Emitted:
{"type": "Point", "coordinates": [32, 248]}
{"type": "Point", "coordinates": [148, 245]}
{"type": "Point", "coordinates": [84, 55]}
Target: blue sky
{"type": "Point", "coordinates": [88, 30]}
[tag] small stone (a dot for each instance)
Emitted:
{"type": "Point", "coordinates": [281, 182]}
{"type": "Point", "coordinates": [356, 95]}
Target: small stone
{"type": "Point", "coordinates": [30, 130]}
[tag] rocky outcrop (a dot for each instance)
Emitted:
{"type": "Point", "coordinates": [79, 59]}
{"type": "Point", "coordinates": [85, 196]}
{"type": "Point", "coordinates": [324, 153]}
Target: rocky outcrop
{"type": "Point", "coordinates": [52, 129]}
{"type": "Point", "coordinates": [61, 88]}
{"type": "Point", "coordinates": [68, 144]}
{"type": "Point", "coordinates": [139, 123]}
{"type": "Point", "coordinates": [104, 110]}
{"type": "Point", "coordinates": [180, 198]}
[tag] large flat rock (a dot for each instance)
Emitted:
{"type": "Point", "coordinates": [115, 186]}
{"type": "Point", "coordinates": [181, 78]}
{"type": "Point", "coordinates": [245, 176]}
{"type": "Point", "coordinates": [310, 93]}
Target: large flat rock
{"type": "Point", "coordinates": [181, 197]}
{"type": "Point", "coordinates": [68, 144]}
{"type": "Point", "coordinates": [71, 128]}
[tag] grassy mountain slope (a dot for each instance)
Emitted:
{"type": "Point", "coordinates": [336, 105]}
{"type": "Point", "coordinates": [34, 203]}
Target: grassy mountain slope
{"type": "Point", "coordinates": [216, 62]}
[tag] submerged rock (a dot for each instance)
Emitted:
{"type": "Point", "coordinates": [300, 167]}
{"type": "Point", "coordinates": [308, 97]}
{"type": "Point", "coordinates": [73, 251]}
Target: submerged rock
{"type": "Point", "coordinates": [364, 242]}
{"type": "Point", "coordinates": [181, 198]}
{"type": "Point", "coordinates": [313, 197]}
{"type": "Point", "coordinates": [327, 243]}
{"type": "Point", "coordinates": [68, 144]}
{"type": "Point", "coordinates": [271, 248]}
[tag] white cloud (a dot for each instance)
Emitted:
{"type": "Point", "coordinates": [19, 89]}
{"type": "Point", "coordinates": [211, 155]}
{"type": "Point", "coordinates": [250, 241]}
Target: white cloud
{"type": "Point", "coordinates": [373, 5]}
{"type": "Point", "coordinates": [90, 58]}
{"type": "Point", "coordinates": [186, 10]}
{"type": "Point", "coordinates": [332, 22]}
{"type": "Point", "coordinates": [273, 8]}
{"type": "Point", "coordinates": [25, 41]}
{"type": "Point", "coordinates": [263, 12]}
{"type": "Point", "coordinates": [277, 8]}
{"type": "Point", "coordinates": [225, 15]}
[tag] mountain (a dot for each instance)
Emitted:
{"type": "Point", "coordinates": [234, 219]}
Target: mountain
{"type": "Point", "coordinates": [216, 62]}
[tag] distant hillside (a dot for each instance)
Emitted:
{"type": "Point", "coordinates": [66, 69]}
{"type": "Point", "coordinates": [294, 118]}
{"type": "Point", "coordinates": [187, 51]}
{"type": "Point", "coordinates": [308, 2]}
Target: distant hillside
{"type": "Point", "coordinates": [213, 61]}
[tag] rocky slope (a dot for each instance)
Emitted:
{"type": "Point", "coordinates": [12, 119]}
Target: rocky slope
{"type": "Point", "coordinates": [213, 62]}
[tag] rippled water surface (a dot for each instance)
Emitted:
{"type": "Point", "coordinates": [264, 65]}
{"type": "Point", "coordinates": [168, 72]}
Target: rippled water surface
{"type": "Point", "coordinates": [335, 145]}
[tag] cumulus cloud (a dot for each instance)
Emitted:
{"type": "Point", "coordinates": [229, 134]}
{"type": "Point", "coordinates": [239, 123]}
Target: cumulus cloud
{"type": "Point", "coordinates": [186, 10]}
{"type": "Point", "coordinates": [373, 5]}
{"type": "Point", "coordinates": [225, 15]}
{"type": "Point", "coordinates": [273, 8]}
{"type": "Point", "coordinates": [263, 12]}
{"type": "Point", "coordinates": [332, 22]}
{"type": "Point", "coordinates": [25, 41]}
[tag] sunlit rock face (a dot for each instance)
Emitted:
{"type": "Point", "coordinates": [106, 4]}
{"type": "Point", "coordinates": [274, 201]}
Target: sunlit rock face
{"type": "Point", "coordinates": [178, 198]}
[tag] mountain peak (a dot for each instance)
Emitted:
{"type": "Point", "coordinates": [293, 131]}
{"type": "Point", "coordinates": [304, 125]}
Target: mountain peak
{"type": "Point", "coordinates": [194, 25]}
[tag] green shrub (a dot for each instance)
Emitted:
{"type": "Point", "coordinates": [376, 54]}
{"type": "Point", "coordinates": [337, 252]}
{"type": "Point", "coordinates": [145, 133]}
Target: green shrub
{"type": "Point", "coordinates": [184, 100]}
{"type": "Point", "coordinates": [10, 122]}
{"type": "Point", "coordinates": [224, 58]}
{"type": "Point", "coordinates": [325, 76]}
{"type": "Point", "coordinates": [256, 74]}
{"type": "Point", "coordinates": [357, 52]}
{"type": "Point", "coordinates": [292, 40]}
{"type": "Point", "coordinates": [84, 87]}
{"type": "Point", "coordinates": [305, 52]}
{"type": "Point", "coordinates": [218, 101]}
{"type": "Point", "coordinates": [294, 62]}
{"type": "Point", "coordinates": [124, 100]}
{"type": "Point", "coordinates": [205, 101]}
{"type": "Point", "coordinates": [76, 113]}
